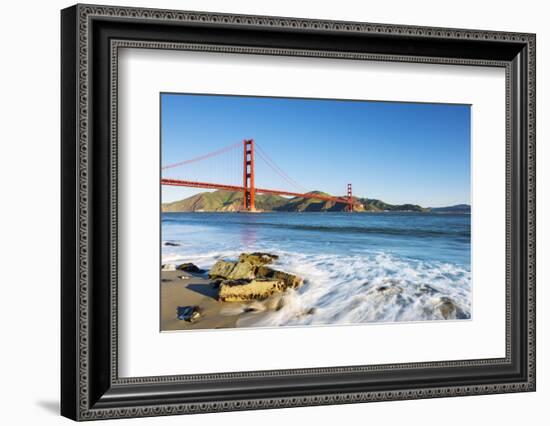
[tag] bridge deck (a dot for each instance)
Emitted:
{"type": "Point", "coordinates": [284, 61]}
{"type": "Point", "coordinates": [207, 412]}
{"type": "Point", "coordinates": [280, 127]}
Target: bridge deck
{"type": "Point", "coordinates": [206, 185]}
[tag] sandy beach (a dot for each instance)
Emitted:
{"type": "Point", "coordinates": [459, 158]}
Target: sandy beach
{"type": "Point", "coordinates": [192, 291]}
{"type": "Point", "coordinates": [185, 289]}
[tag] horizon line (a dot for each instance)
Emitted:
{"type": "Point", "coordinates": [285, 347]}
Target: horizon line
{"type": "Point", "coordinates": [332, 195]}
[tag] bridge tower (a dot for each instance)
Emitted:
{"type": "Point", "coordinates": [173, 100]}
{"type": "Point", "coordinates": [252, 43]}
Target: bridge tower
{"type": "Point", "coordinates": [248, 174]}
{"type": "Point", "coordinates": [350, 199]}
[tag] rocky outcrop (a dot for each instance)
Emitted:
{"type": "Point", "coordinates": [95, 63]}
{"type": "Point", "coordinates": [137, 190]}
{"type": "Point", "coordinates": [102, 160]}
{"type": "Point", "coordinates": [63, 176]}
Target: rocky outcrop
{"type": "Point", "coordinates": [258, 258]}
{"type": "Point", "coordinates": [290, 280]}
{"type": "Point", "coordinates": [449, 309]}
{"type": "Point", "coordinates": [250, 279]}
{"type": "Point", "coordinates": [243, 290]}
{"type": "Point", "coordinates": [189, 267]}
{"type": "Point", "coordinates": [221, 269]}
{"type": "Point", "coordinates": [242, 271]}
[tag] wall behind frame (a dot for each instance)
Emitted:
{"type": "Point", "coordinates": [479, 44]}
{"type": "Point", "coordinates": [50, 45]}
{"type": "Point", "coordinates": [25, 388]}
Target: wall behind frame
{"type": "Point", "coordinates": [30, 226]}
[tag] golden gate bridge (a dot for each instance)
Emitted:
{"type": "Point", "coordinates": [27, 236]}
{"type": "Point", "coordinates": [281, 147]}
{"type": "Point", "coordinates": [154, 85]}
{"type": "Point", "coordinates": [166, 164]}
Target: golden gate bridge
{"type": "Point", "coordinates": [248, 187]}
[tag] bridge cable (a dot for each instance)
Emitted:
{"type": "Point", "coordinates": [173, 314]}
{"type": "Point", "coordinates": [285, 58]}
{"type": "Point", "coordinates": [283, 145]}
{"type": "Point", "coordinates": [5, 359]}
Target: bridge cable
{"type": "Point", "coordinates": [277, 169]}
{"type": "Point", "coordinates": [203, 157]}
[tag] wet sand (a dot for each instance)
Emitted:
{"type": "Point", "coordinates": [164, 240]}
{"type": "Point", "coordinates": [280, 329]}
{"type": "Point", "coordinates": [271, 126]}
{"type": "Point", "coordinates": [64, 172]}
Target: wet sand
{"type": "Point", "coordinates": [195, 290]}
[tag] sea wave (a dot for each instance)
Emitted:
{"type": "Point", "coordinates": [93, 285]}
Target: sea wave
{"type": "Point", "coordinates": [358, 288]}
{"type": "Point", "coordinates": [377, 288]}
{"type": "Point", "coordinates": [443, 231]}
{"type": "Point", "coordinates": [367, 230]}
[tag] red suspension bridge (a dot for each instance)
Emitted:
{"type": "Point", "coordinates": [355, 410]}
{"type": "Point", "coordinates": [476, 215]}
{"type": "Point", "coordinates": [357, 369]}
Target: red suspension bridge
{"type": "Point", "coordinates": [248, 188]}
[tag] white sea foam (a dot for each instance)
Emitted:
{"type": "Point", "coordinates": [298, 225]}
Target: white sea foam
{"type": "Point", "coordinates": [356, 288]}
{"type": "Point", "coordinates": [203, 260]}
{"type": "Point", "coordinates": [371, 288]}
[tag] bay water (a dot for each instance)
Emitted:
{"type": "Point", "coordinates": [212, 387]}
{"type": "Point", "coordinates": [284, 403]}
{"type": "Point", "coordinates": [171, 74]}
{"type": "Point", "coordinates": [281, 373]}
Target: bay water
{"type": "Point", "coordinates": [348, 261]}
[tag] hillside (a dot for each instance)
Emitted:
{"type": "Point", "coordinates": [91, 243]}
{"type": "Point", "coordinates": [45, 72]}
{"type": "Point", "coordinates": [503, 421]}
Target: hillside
{"type": "Point", "coordinates": [301, 204]}
{"type": "Point", "coordinates": [228, 201]}
{"type": "Point", "coordinates": [374, 205]}
{"type": "Point", "coordinates": [222, 201]}
{"type": "Point", "coordinates": [457, 209]}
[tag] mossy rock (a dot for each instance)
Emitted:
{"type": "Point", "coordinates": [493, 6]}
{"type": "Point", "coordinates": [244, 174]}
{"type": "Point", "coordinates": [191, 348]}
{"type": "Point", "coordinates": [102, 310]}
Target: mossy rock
{"type": "Point", "coordinates": [258, 258]}
{"type": "Point", "coordinates": [221, 269]}
{"type": "Point", "coordinates": [290, 280]}
{"type": "Point", "coordinates": [243, 271]}
{"type": "Point", "coordinates": [244, 291]}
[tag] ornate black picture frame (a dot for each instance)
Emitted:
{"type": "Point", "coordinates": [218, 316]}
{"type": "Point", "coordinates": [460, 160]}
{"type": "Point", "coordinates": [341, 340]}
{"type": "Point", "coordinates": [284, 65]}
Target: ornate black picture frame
{"type": "Point", "coordinates": [91, 37]}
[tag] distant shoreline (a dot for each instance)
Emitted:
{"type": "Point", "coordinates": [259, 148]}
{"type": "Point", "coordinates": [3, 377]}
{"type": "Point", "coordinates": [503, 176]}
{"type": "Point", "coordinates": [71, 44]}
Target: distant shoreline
{"type": "Point", "coordinates": [232, 201]}
{"type": "Point", "coordinates": [326, 212]}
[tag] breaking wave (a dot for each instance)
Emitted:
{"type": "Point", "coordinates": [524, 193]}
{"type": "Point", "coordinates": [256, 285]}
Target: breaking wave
{"type": "Point", "coordinates": [348, 278]}
{"type": "Point", "coordinates": [359, 289]}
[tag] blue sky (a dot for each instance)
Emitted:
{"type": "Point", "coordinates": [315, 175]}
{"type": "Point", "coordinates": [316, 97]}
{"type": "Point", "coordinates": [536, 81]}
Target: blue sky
{"type": "Point", "coordinates": [397, 152]}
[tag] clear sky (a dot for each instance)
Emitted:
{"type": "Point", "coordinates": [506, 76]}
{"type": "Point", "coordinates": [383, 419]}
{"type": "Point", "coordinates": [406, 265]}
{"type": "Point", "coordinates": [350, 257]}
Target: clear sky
{"type": "Point", "coordinates": [397, 152]}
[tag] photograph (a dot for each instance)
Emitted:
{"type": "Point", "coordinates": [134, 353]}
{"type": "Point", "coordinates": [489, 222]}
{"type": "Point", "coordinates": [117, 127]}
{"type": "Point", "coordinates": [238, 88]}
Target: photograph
{"type": "Point", "coordinates": [313, 212]}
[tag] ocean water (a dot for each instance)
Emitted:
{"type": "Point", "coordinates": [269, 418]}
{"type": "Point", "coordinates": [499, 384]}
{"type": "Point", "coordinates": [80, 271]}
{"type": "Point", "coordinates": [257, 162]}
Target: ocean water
{"type": "Point", "coordinates": [358, 268]}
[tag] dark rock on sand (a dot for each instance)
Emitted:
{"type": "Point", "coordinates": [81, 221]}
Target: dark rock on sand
{"type": "Point", "coordinates": [189, 267]}
{"type": "Point", "coordinates": [188, 313]}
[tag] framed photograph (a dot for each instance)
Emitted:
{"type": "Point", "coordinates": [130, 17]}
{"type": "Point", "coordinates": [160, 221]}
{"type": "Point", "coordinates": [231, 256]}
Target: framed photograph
{"type": "Point", "coordinates": [263, 212]}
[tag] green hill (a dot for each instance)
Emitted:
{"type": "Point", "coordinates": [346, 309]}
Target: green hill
{"type": "Point", "coordinates": [222, 201]}
{"type": "Point", "coordinates": [373, 205]}
{"type": "Point", "coordinates": [229, 201]}
{"type": "Point", "coordinates": [301, 204]}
